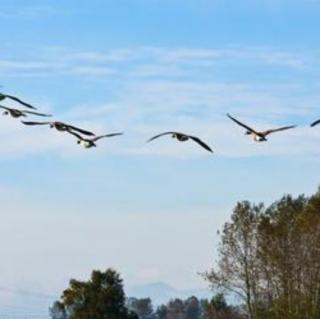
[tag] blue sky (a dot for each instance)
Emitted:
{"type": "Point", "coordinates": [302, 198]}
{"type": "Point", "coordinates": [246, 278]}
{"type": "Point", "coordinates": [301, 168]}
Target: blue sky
{"type": "Point", "coordinates": [143, 67]}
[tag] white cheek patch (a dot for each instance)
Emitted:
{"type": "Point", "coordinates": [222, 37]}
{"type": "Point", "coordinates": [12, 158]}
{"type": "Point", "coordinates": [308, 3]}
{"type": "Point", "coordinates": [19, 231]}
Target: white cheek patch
{"type": "Point", "coordinates": [82, 143]}
{"type": "Point", "coordinates": [258, 138]}
{"type": "Point", "coordinates": [86, 144]}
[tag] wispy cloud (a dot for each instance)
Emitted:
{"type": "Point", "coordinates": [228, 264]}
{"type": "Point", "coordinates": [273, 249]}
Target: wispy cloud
{"type": "Point", "coordinates": [150, 107]}
{"type": "Point", "coordinates": [161, 89]}
{"type": "Point", "coordinates": [146, 61]}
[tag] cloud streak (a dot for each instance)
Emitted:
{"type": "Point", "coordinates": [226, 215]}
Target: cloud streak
{"type": "Point", "coordinates": [52, 61]}
{"type": "Point", "coordinates": [163, 89]}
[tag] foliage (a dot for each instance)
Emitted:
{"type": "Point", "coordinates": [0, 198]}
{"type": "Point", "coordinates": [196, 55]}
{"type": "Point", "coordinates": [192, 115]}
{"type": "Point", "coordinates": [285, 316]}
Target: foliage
{"type": "Point", "coordinates": [270, 258]}
{"type": "Point", "coordinates": [101, 297]}
{"type": "Point", "coordinates": [142, 307]}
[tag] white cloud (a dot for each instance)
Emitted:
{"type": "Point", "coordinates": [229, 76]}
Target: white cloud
{"type": "Point", "coordinates": [148, 108]}
{"type": "Point", "coordinates": [145, 61]}
{"type": "Point", "coordinates": [158, 92]}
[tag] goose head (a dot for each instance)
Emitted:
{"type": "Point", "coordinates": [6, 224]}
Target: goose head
{"type": "Point", "coordinates": [5, 113]}
{"type": "Point", "coordinates": [247, 133]}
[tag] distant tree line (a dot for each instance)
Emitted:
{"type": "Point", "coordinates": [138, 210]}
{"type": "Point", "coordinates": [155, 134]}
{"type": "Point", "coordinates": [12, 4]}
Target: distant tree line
{"type": "Point", "coordinates": [270, 258]}
{"type": "Point", "coordinates": [102, 297]}
{"type": "Point", "coordinates": [191, 308]}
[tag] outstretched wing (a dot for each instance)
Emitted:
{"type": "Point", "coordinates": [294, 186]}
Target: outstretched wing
{"type": "Point", "coordinates": [242, 124]}
{"type": "Point", "coordinates": [201, 143]}
{"type": "Point", "coordinates": [106, 135]}
{"type": "Point", "coordinates": [265, 133]}
{"type": "Point", "coordinates": [80, 130]}
{"type": "Point", "coordinates": [36, 113]}
{"type": "Point", "coordinates": [75, 134]}
{"type": "Point", "coordinates": [162, 134]}
{"type": "Point", "coordinates": [19, 101]}
{"type": "Point", "coordinates": [315, 123]}
{"type": "Point", "coordinates": [35, 123]}
{"type": "Point", "coordinates": [5, 108]}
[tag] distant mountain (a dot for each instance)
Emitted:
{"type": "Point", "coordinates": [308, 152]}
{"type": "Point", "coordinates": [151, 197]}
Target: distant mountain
{"type": "Point", "coordinates": [161, 292]}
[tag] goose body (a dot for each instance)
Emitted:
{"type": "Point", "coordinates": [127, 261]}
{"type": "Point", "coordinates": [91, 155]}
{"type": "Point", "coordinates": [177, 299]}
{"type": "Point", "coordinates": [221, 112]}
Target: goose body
{"type": "Point", "coordinates": [259, 136]}
{"type": "Point", "coordinates": [181, 137]}
{"type": "Point", "coordinates": [91, 142]}
{"type": "Point", "coordinates": [87, 143]}
{"type": "Point", "coordinates": [60, 126]}
{"type": "Point", "coordinates": [15, 113]}
{"type": "Point", "coordinates": [256, 137]}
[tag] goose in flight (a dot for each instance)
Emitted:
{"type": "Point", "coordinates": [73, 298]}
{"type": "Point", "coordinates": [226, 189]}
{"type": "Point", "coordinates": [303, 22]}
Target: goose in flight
{"type": "Point", "coordinates": [60, 126]}
{"type": "Point", "coordinates": [14, 98]}
{"type": "Point", "coordinates": [181, 137]}
{"type": "Point", "coordinates": [259, 136]}
{"type": "Point", "coordinates": [91, 142]}
{"type": "Point", "coordinates": [19, 113]}
{"type": "Point", "coordinates": [315, 123]}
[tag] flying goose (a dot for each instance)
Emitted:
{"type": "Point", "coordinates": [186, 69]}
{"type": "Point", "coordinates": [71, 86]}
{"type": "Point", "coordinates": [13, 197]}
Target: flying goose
{"type": "Point", "coordinates": [60, 126]}
{"type": "Point", "coordinates": [14, 98]}
{"type": "Point", "coordinates": [90, 142]}
{"type": "Point", "coordinates": [315, 123]}
{"type": "Point", "coordinates": [19, 113]}
{"type": "Point", "coordinates": [259, 136]}
{"type": "Point", "coordinates": [181, 137]}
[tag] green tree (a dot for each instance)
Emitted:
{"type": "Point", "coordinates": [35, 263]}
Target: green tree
{"type": "Point", "coordinates": [271, 258]}
{"type": "Point", "coordinates": [217, 308]}
{"type": "Point", "coordinates": [58, 311]}
{"type": "Point", "coordinates": [101, 297]}
{"type": "Point", "coordinates": [237, 270]}
{"type": "Point", "coordinates": [290, 245]}
{"type": "Point", "coordinates": [192, 308]}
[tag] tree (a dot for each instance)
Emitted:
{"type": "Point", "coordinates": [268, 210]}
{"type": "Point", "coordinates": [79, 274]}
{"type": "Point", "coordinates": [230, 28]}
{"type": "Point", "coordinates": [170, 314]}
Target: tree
{"type": "Point", "coordinates": [101, 297]}
{"type": "Point", "coordinates": [291, 266]}
{"type": "Point", "coordinates": [142, 307]}
{"type": "Point", "coordinates": [238, 264]}
{"type": "Point", "coordinates": [58, 311]}
{"type": "Point", "coordinates": [161, 312]}
{"type": "Point", "coordinates": [192, 308]}
{"type": "Point", "coordinates": [218, 308]}
{"type": "Point", "coordinates": [175, 309]}
{"type": "Point", "coordinates": [270, 258]}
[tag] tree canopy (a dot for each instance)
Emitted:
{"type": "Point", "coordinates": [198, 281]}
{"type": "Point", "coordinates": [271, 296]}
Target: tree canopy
{"type": "Point", "coordinates": [270, 258]}
{"type": "Point", "coordinates": [100, 297]}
